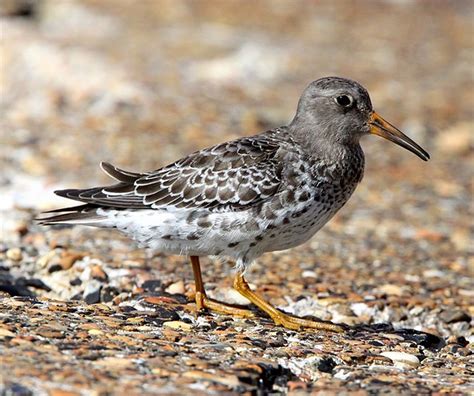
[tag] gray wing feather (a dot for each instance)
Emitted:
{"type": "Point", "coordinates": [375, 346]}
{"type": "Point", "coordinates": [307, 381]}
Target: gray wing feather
{"type": "Point", "coordinates": [232, 175]}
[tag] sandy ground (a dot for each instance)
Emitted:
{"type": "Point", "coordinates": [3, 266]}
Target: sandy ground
{"type": "Point", "coordinates": [140, 84]}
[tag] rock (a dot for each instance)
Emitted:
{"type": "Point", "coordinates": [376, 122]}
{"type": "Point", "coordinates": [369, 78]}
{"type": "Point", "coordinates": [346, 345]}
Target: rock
{"type": "Point", "coordinates": [69, 258]}
{"type": "Point", "coordinates": [91, 293]}
{"type": "Point", "coordinates": [14, 254]}
{"type": "Point", "coordinates": [391, 290]}
{"type": "Point", "coordinates": [62, 392]}
{"type": "Point", "coordinates": [4, 333]}
{"type": "Point", "coordinates": [48, 332]}
{"type": "Point", "coordinates": [178, 325]}
{"type": "Point", "coordinates": [98, 273]}
{"type": "Point", "coordinates": [326, 365]}
{"type": "Point", "coordinates": [18, 8]}
{"type": "Point", "coordinates": [176, 288]}
{"type": "Point", "coordinates": [152, 285]}
{"type": "Point", "coordinates": [226, 379]}
{"type": "Point", "coordinates": [427, 340]}
{"type": "Point", "coordinates": [402, 359]}
{"type": "Point", "coordinates": [114, 362]}
{"type": "Point", "coordinates": [453, 316]}
{"type": "Point", "coordinates": [46, 259]}
{"type": "Point", "coordinates": [309, 274]}
{"type": "Point", "coordinates": [457, 340]}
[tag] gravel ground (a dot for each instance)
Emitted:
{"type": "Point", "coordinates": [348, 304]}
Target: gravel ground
{"type": "Point", "coordinates": [84, 312]}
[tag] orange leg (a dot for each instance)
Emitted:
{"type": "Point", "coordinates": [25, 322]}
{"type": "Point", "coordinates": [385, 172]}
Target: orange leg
{"type": "Point", "coordinates": [280, 318]}
{"type": "Point", "coordinates": [202, 301]}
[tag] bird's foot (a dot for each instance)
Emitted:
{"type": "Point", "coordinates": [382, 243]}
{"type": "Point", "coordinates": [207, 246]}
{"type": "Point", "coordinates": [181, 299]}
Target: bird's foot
{"type": "Point", "coordinates": [280, 318]}
{"type": "Point", "coordinates": [204, 302]}
{"type": "Point", "coordinates": [296, 323]}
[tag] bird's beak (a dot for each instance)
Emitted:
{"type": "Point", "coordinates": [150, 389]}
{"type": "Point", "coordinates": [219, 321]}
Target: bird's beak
{"type": "Point", "coordinates": [378, 126]}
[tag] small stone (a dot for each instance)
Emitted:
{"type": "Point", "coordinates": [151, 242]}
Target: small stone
{"type": "Point", "coordinates": [391, 290]}
{"type": "Point", "coordinates": [309, 274]}
{"type": "Point", "coordinates": [457, 340]}
{"type": "Point", "coordinates": [229, 295]}
{"type": "Point", "coordinates": [44, 260]}
{"type": "Point", "coordinates": [98, 273]}
{"type": "Point", "coordinates": [114, 363]}
{"type": "Point", "coordinates": [326, 365]}
{"type": "Point", "coordinates": [225, 379]}
{"type": "Point", "coordinates": [91, 293]}
{"type": "Point", "coordinates": [14, 254]}
{"type": "Point", "coordinates": [75, 282]}
{"type": "Point", "coordinates": [22, 228]}
{"type": "Point", "coordinates": [95, 332]}
{"type": "Point", "coordinates": [62, 392]}
{"type": "Point", "coordinates": [47, 332]}
{"type": "Point", "coordinates": [178, 325]}
{"type": "Point", "coordinates": [69, 258]}
{"type": "Point", "coordinates": [176, 288]}
{"type": "Point", "coordinates": [453, 316]}
{"type": "Point", "coordinates": [402, 359]}
{"type": "Point", "coordinates": [6, 333]}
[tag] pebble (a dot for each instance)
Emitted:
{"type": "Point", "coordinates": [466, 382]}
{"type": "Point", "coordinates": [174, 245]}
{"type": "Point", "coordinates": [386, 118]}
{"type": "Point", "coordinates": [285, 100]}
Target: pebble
{"type": "Point", "coordinates": [309, 274]}
{"type": "Point", "coordinates": [98, 273]}
{"type": "Point", "coordinates": [46, 259]}
{"type": "Point", "coordinates": [6, 333]}
{"type": "Point", "coordinates": [176, 288]}
{"type": "Point", "coordinates": [14, 254]}
{"type": "Point", "coordinates": [453, 316]}
{"type": "Point", "coordinates": [91, 293]}
{"type": "Point", "coordinates": [114, 362]}
{"type": "Point", "coordinates": [402, 359]}
{"type": "Point", "coordinates": [391, 290]}
{"type": "Point", "coordinates": [178, 325]}
{"type": "Point", "coordinates": [69, 258]}
{"type": "Point", "coordinates": [62, 392]}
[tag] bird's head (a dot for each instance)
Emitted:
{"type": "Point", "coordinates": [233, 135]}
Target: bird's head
{"type": "Point", "coordinates": [338, 110]}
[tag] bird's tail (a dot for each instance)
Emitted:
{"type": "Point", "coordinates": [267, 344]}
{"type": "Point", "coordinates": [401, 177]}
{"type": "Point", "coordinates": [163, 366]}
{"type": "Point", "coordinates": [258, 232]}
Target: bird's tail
{"type": "Point", "coordinates": [76, 215]}
{"type": "Point", "coordinates": [96, 201]}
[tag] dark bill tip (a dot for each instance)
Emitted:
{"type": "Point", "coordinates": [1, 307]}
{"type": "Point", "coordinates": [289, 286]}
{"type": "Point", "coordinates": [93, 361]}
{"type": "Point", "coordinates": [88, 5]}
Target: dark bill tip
{"type": "Point", "coordinates": [380, 127]}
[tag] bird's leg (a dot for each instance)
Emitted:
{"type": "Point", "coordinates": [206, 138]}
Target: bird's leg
{"type": "Point", "coordinates": [202, 301]}
{"type": "Point", "coordinates": [280, 318]}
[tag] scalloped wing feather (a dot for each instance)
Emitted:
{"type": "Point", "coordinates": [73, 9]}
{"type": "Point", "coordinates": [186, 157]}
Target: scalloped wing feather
{"type": "Point", "coordinates": [232, 175]}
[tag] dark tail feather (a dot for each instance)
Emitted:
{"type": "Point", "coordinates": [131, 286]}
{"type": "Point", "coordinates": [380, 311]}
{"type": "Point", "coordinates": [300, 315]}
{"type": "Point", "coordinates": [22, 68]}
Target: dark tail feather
{"type": "Point", "coordinates": [118, 196]}
{"type": "Point", "coordinates": [119, 174]}
{"type": "Point", "coordinates": [70, 209]}
{"type": "Point", "coordinates": [82, 214]}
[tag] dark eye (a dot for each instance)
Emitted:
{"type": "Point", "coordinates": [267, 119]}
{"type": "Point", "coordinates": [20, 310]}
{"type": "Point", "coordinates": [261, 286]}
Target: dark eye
{"type": "Point", "coordinates": [344, 101]}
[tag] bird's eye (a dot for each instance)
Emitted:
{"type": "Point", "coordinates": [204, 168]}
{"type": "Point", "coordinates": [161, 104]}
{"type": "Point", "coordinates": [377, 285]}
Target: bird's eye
{"type": "Point", "coordinates": [344, 101]}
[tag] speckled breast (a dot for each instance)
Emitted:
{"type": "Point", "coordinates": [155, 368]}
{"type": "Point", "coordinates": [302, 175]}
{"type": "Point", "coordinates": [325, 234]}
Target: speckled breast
{"type": "Point", "coordinates": [311, 200]}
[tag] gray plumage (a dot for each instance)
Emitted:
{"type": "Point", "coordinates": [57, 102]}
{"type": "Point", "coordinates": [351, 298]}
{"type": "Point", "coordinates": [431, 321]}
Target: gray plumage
{"type": "Point", "coordinates": [267, 192]}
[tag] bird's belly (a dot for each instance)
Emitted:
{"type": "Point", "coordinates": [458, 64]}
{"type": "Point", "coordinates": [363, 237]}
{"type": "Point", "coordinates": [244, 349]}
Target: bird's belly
{"type": "Point", "coordinates": [186, 232]}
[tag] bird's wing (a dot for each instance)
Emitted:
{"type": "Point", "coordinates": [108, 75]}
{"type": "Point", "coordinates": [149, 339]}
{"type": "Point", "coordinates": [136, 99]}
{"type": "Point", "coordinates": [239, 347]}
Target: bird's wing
{"type": "Point", "coordinates": [232, 175]}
